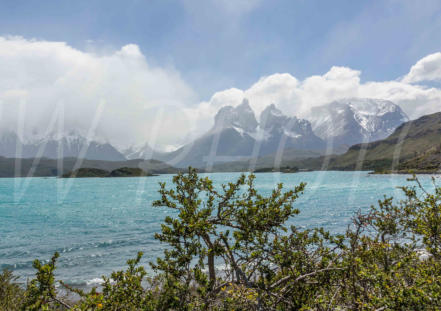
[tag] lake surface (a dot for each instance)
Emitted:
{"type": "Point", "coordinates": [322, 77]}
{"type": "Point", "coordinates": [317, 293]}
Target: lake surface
{"type": "Point", "coordinates": [97, 224]}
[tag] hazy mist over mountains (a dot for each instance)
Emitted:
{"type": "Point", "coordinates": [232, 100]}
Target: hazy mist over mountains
{"type": "Point", "coordinates": [69, 145]}
{"type": "Point", "coordinates": [128, 99]}
{"type": "Point", "coordinates": [238, 134]}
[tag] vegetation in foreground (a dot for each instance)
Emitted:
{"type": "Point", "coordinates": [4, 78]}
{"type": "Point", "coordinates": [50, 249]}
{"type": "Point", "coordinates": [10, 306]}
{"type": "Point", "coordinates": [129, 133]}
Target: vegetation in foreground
{"type": "Point", "coordinates": [388, 259]}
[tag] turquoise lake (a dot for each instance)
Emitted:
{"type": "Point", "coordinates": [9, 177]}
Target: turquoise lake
{"type": "Point", "coordinates": [97, 224]}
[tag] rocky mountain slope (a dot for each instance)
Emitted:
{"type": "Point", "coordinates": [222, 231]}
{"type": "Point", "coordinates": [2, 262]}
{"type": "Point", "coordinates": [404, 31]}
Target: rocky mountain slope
{"type": "Point", "coordinates": [414, 145]}
{"type": "Point", "coordinates": [237, 135]}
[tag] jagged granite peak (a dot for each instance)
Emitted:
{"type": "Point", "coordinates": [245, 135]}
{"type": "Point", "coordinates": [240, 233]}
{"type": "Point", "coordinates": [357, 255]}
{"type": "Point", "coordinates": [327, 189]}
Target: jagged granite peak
{"type": "Point", "coordinates": [241, 117]}
{"type": "Point", "coordinates": [354, 120]}
{"type": "Point", "coordinates": [237, 134]}
{"type": "Point", "coordinates": [272, 119]}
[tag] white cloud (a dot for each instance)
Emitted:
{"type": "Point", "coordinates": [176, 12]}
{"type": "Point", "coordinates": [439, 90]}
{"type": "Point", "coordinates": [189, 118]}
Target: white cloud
{"type": "Point", "coordinates": [46, 74]}
{"type": "Point", "coordinates": [296, 97]}
{"type": "Point", "coordinates": [426, 69]}
{"type": "Point", "coordinates": [154, 104]}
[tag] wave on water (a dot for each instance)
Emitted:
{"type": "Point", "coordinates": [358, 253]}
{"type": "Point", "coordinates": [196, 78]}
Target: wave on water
{"type": "Point", "coordinates": [94, 281]}
{"type": "Point", "coordinates": [96, 232]}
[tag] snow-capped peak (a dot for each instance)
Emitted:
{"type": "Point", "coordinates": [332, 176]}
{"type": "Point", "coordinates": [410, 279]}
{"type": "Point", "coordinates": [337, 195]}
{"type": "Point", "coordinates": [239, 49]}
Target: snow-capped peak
{"type": "Point", "coordinates": [272, 119]}
{"type": "Point", "coordinates": [370, 106]}
{"type": "Point", "coordinates": [354, 120]}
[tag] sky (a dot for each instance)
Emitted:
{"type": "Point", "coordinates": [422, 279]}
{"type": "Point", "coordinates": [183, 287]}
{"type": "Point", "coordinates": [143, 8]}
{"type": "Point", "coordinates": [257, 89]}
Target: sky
{"type": "Point", "coordinates": [159, 70]}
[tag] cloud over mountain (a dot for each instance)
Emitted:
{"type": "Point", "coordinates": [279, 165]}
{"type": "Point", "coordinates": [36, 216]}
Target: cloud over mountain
{"type": "Point", "coordinates": [297, 97]}
{"type": "Point", "coordinates": [426, 69]}
{"type": "Point", "coordinates": [120, 90]}
{"type": "Point", "coordinates": [133, 102]}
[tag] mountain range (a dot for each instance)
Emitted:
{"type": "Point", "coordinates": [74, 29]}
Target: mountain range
{"type": "Point", "coordinates": [414, 145]}
{"type": "Point", "coordinates": [70, 145]}
{"type": "Point", "coordinates": [237, 135]}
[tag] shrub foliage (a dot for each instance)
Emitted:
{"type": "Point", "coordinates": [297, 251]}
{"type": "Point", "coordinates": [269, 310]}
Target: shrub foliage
{"type": "Point", "coordinates": [231, 249]}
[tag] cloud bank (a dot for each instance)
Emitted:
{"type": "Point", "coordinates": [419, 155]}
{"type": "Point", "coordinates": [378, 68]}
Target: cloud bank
{"type": "Point", "coordinates": [297, 97]}
{"type": "Point", "coordinates": [144, 103]}
{"type": "Point", "coordinates": [426, 69]}
{"type": "Point", "coordinates": [39, 77]}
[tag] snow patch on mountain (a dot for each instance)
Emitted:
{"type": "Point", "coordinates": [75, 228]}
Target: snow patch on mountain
{"type": "Point", "coordinates": [57, 145]}
{"type": "Point", "coordinates": [260, 134]}
{"type": "Point", "coordinates": [354, 120]}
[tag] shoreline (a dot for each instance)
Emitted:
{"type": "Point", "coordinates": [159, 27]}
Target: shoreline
{"type": "Point", "coordinates": [407, 172]}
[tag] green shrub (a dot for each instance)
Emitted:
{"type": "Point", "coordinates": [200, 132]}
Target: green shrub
{"type": "Point", "coordinates": [11, 295]}
{"type": "Point", "coordinates": [388, 259]}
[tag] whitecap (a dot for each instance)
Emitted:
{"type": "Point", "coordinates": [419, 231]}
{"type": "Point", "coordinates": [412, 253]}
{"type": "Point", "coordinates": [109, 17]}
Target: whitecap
{"type": "Point", "coordinates": [95, 281]}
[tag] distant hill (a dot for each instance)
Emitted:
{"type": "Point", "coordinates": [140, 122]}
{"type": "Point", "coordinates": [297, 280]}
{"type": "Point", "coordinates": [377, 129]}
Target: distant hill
{"type": "Point", "coordinates": [275, 160]}
{"type": "Point", "coordinates": [11, 167]}
{"type": "Point", "coordinates": [129, 172]}
{"type": "Point", "coordinates": [283, 169]}
{"type": "Point", "coordinates": [96, 172]}
{"type": "Point", "coordinates": [86, 172]}
{"type": "Point", "coordinates": [413, 146]}
{"type": "Point", "coordinates": [428, 161]}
